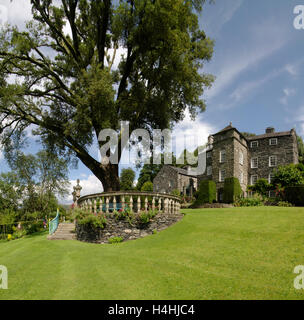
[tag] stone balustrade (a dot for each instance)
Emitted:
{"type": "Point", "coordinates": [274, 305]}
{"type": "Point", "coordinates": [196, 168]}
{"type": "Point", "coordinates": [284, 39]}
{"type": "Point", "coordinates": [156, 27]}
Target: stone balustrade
{"type": "Point", "coordinates": [135, 201]}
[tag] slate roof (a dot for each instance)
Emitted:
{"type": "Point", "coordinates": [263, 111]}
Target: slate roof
{"type": "Point", "coordinates": [257, 137]}
{"type": "Point", "coordinates": [269, 135]}
{"type": "Point", "coordinates": [182, 171]}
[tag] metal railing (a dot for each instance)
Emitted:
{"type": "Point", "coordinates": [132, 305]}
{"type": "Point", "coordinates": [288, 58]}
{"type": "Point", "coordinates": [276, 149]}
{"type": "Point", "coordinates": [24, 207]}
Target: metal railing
{"type": "Point", "coordinates": [53, 225]}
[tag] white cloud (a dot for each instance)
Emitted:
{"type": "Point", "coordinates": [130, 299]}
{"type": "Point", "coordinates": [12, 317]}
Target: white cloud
{"type": "Point", "coordinates": [288, 92]}
{"type": "Point", "coordinates": [228, 12]}
{"type": "Point", "coordinates": [18, 11]}
{"type": "Point", "coordinates": [191, 134]}
{"type": "Point", "coordinates": [225, 11]}
{"type": "Point", "coordinates": [245, 89]}
{"type": "Point", "coordinates": [291, 69]}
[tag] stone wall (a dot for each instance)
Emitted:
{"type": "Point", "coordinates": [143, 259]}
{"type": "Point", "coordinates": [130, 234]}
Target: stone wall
{"type": "Point", "coordinates": [169, 179]}
{"type": "Point", "coordinates": [240, 146]}
{"type": "Point", "coordinates": [166, 181]}
{"type": "Point", "coordinates": [285, 150]}
{"type": "Point", "coordinates": [123, 229]}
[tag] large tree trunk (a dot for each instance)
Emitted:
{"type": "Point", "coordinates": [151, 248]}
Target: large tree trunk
{"type": "Point", "coordinates": [107, 174]}
{"type": "Point", "coordinates": [110, 178]}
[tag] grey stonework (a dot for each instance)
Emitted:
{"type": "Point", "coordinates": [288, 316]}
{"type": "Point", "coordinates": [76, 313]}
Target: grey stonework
{"type": "Point", "coordinates": [170, 178]}
{"type": "Point", "coordinates": [123, 229]}
{"type": "Point", "coordinates": [234, 144]}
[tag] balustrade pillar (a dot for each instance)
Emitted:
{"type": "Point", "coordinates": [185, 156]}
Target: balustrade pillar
{"type": "Point", "coordinates": [166, 202]}
{"type": "Point", "coordinates": [107, 204]}
{"type": "Point", "coordinates": [146, 204]}
{"type": "Point", "coordinates": [123, 202]}
{"type": "Point", "coordinates": [138, 204]}
{"type": "Point", "coordinates": [131, 204]}
{"type": "Point", "coordinates": [95, 206]}
{"type": "Point", "coordinates": [114, 203]}
{"type": "Point", "coordinates": [153, 204]}
{"type": "Point", "coordinates": [100, 204]}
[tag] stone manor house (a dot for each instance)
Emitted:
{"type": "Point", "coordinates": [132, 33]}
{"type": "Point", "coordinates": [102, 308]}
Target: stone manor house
{"type": "Point", "coordinates": [231, 154]}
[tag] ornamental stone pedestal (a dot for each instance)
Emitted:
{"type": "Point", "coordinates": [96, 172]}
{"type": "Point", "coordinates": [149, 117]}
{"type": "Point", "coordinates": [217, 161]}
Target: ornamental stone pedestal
{"type": "Point", "coordinates": [76, 193]}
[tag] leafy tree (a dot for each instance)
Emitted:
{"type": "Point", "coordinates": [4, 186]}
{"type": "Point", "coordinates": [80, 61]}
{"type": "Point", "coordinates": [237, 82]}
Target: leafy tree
{"type": "Point", "coordinates": [262, 187]}
{"type": "Point", "coordinates": [300, 149]}
{"type": "Point", "coordinates": [66, 85]}
{"type": "Point", "coordinates": [288, 175]}
{"type": "Point", "coordinates": [127, 177]}
{"type": "Point", "coordinates": [248, 134]}
{"type": "Point", "coordinates": [10, 191]}
{"type": "Point", "coordinates": [147, 174]}
{"type": "Point", "coordinates": [41, 177]}
{"type": "Point", "coordinates": [147, 187]}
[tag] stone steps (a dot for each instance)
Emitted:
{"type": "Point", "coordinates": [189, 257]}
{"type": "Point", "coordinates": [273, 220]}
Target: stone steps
{"type": "Point", "coordinates": [65, 231]}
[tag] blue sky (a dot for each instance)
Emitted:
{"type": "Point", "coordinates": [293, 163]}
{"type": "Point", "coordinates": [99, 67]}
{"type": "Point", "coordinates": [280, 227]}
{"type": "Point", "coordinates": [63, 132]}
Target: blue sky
{"type": "Point", "coordinates": [259, 67]}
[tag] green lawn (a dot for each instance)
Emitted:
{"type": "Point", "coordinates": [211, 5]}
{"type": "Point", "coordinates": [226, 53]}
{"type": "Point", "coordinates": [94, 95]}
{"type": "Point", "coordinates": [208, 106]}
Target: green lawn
{"type": "Point", "coordinates": [238, 253]}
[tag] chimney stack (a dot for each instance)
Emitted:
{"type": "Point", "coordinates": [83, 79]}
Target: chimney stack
{"type": "Point", "coordinates": [270, 130]}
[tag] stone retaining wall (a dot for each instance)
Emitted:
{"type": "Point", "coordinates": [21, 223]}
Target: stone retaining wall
{"type": "Point", "coordinates": [123, 229]}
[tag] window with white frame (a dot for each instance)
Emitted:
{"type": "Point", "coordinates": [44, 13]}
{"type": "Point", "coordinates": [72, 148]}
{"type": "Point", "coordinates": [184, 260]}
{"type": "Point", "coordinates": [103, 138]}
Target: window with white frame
{"type": "Point", "coordinates": [273, 161]}
{"type": "Point", "coordinates": [254, 163]}
{"type": "Point", "coordinates": [273, 141]}
{"type": "Point", "coordinates": [222, 156]}
{"type": "Point", "coordinates": [272, 194]}
{"type": "Point", "coordinates": [209, 170]}
{"type": "Point", "coordinates": [254, 179]}
{"type": "Point", "coordinates": [241, 177]}
{"type": "Point", "coordinates": [270, 177]}
{"type": "Point", "coordinates": [222, 175]}
{"type": "Point", "coordinates": [254, 144]}
{"type": "Point", "coordinates": [241, 157]}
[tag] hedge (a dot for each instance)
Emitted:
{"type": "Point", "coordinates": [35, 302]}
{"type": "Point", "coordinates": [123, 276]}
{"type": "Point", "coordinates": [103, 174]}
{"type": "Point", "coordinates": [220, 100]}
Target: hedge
{"type": "Point", "coordinates": [232, 190]}
{"type": "Point", "coordinates": [295, 195]}
{"type": "Point", "coordinates": [206, 193]}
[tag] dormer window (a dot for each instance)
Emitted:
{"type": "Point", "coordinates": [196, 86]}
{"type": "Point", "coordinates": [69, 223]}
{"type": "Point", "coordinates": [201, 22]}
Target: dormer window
{"type": "Point", "coordinates": [273, 141]}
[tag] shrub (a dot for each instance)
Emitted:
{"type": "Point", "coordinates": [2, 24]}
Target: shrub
{"type": "Point", "coordinates": [119, 215]}
{"type": "Point", "coordinates": [147, 186]}
{"type": "Point", "coordinates": [261, 187]}
{"type": "Point", "coordinates": [176, 193]}
{"type": "Point", "coordinates": [295, 195]}
{"type": "Point", "coordinates": [33, 226]}
{"type": "Point", "coordinates": [95, 222]}
{"type": "Point", "coordinates": [115, 240]}
{"type": "Point", "coordinates": [289, 175]}
{"type": "Point", "coordinates": [232, 190]}
{"type": "Point", "coordinates": [284, 204]}
{"type": "Point", "coordinates": [206, 193]}
{"type": "Point", "coordinates": [255, 201]}
{"type": "Point", "coordinates": [144, 218]}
